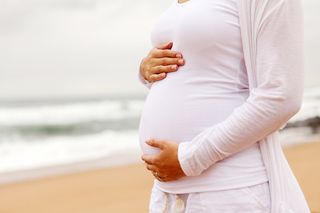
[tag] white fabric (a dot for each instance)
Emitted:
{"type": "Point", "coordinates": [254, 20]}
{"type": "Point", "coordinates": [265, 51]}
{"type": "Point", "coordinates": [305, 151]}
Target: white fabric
{"type": "Point", "coordinates": [250, 199]}
{"type": "Point", "coordinates": [272, 38]}
{"type": "Point", "coordinates": [204, 92]}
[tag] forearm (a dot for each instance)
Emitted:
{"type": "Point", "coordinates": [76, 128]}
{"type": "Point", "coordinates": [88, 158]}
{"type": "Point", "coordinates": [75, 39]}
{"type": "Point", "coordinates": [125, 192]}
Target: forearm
{"type": "Point", "coordinates": [277, 54]}
{"type": "Point", "coordinates": [248, 124]}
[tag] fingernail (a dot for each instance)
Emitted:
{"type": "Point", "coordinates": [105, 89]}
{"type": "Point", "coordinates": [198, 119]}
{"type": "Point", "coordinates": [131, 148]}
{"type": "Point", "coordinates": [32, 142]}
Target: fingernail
{"type": "Point", "coordinates": [179, 55]}
{"type": "Point", "coordinates": [180, 61]}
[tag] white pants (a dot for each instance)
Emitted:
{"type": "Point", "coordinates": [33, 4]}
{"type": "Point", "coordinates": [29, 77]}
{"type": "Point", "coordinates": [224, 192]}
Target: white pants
{"type": "Point", "coordinates": [251, 199]}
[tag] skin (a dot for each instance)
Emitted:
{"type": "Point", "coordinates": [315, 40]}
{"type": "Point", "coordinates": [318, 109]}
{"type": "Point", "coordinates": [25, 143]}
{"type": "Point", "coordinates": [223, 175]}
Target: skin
{"type": "Point", "coordinates": [166, 162]}
{"type": "Point", "coordinates": [182, 1]}
{"type": "Point", "coordinates": [160, 60]}
{"type": "Point", "coordinates": [165, 165]}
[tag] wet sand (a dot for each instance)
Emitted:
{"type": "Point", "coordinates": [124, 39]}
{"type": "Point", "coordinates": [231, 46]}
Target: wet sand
{"type": "Point", "coordinates": [127, 188]}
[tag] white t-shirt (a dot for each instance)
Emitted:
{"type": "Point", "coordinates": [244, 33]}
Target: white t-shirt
{"type": "Point", "coordinates": [203, 92]}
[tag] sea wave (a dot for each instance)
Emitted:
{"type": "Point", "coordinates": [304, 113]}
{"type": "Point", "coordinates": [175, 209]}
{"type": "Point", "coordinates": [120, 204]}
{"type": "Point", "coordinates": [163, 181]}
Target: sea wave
{"type": "Point", "coordinates": [22, 155]}
{"type": "Point", "coordinates": [69, 118]}
{"type": "Point", "coordinates": [69, 113]}
{"type": "Point", "coordinates": [103, 132]}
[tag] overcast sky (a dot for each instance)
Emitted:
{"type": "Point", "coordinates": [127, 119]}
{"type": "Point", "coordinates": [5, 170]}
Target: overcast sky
{"type": "Point", "coordinates": [80, 48]}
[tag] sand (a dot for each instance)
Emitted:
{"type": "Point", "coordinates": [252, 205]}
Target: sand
{"type": "Point", "coordinates": [304, 160]}
{"type": "Point", "coordinates": [126, 189]}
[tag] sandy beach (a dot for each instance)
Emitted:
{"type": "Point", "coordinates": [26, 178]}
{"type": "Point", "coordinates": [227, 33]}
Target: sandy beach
{"type": "Point", "coordinates": [127, 188]}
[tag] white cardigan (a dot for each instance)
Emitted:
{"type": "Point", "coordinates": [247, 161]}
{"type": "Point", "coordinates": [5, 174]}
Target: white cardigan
{"type": "Point", "coordinates": [272, 38]}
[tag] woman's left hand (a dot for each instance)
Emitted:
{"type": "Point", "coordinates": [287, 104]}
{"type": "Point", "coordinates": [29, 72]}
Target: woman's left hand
{"type": "Point", "coordinates": [165, 165]}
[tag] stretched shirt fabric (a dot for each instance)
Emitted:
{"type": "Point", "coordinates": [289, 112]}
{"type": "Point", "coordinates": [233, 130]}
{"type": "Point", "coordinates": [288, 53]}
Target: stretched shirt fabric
{"type": "Point", "coordinates": [272, 39]}
{"type": "Point", "coordinates": [204, 92]}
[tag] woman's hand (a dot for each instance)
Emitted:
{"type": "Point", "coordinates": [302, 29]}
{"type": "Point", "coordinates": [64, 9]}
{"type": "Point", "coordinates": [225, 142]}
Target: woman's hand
{"type": "Point", "coordinates": [159, 62]}
{"type": "Point", "coordinates": [165, 165]}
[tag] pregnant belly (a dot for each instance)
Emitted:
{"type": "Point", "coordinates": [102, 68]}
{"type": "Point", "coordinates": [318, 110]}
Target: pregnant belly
{"type": "Point", "coordinates": [179, 111]}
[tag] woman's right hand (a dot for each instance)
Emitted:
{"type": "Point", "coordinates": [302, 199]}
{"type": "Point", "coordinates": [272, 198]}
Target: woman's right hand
{"type": "Point", "coordinates": [160, 60]}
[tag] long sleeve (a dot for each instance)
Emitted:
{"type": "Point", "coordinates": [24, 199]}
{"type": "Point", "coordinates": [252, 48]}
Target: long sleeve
{"type": "Point", "coordinates": [275, 99]}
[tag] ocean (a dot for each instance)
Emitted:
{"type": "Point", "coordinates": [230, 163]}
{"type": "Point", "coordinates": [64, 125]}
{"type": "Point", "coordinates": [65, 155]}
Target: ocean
{"type": "Point", "coordinates": [53, 137]}
{"type": "Point", "coordinates": [42, 55]}
{"type": "Point", "coordinates": [35, 136]}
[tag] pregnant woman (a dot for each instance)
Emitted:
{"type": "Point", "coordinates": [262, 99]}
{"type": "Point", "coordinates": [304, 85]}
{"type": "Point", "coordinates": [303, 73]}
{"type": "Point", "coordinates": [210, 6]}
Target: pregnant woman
{"type": "Point", "coordinates": [224, 77]}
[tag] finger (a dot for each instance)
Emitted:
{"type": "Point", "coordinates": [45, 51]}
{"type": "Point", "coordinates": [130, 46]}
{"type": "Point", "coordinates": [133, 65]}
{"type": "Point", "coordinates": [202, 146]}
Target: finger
{"type": "Point", "coordinates": [156, 143]}
{"type": "Point", "coordinates": [151, 168]}
{"type": "Point", "coordinates": [161, 69]}
{"type": "Point", "coordinates": [167, 45]}
{"type": "Point", "coordinates": [149, 159]}
{"type": "Point", "coordinates": [158, 53]}
{"type": "Point", "coordinates": [160, 178]}
{"type": "Point", "coordinates": [168, 61]}
{"type": "Point", "coordinates": [157, 77]}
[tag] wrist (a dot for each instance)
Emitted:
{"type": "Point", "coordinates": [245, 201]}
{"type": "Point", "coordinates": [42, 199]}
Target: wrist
{"type": "Point", "coordinates": [143, 79]}
{"type": "Point", "coordinates": [142, 72]}
{"type": "Point", "coordinates": [183, 159]}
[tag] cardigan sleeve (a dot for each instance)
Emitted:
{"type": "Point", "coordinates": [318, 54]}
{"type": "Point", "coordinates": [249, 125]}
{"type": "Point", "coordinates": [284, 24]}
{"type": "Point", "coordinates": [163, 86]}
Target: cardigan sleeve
{"type": "Point", "coordinates": [275, 99]}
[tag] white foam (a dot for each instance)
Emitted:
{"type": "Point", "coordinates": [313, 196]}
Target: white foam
{"type": "Point", "coordinates": [27, 155]}
{"type": "Point", "coordinates": [68, 113]}
{"type": "Point", "coordinates": [24, 158]}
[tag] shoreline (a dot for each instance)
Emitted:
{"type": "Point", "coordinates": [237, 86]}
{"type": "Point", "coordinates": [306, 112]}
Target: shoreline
{"type": "Point", "coordinates": [86, 165]}
{"type": "Point", "coordinates": [289, 138]}
{"type": "Point", "coordinates": [126, 188]}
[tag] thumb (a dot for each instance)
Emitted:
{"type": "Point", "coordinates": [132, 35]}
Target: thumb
{"type": "Point", "coordinates": [155, 143]}
{"type": "Point", "coordinates": [165, 45]}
